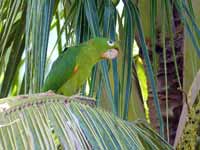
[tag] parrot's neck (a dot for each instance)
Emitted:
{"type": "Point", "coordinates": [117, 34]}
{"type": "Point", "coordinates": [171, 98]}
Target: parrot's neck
{"type": "Point", "coordinates": [91, 56]}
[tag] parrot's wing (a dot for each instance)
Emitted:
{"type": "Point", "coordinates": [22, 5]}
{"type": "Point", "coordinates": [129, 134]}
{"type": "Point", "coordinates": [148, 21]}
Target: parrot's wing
{"type": "Point", "coordinates": [61, 70]}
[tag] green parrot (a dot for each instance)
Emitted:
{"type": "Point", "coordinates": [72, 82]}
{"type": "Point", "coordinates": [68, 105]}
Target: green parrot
{"type": "Point", "coordinates": [74, 65]}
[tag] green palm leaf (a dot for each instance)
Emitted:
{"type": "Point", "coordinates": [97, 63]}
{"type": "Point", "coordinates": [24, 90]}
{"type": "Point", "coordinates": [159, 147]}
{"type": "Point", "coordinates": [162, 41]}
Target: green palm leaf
{"type": "Point", "coordinates": [49, 121]}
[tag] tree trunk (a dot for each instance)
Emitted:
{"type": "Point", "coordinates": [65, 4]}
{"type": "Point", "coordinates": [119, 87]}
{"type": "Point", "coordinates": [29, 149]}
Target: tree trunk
{"type": "Point", "coordinates": [174, 94]}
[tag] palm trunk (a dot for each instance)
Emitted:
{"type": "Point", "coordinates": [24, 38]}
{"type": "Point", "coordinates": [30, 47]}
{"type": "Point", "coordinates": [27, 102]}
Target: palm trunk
{"type": "Point", "coordinates": [174, 94]}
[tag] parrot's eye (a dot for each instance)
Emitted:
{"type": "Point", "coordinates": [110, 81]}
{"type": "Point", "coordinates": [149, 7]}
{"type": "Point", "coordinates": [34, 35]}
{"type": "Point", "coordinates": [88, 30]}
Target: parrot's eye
{"type": "Point", "coordinates": [110, 43]}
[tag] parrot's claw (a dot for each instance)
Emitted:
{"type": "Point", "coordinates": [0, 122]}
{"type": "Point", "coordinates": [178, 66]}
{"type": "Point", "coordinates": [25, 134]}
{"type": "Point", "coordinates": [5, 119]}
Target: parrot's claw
{"type": "Point", "coordinates": [49, 93]}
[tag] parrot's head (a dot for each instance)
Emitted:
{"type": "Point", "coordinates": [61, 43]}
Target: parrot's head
{"type": "Point", "coordinates": [106, 49]}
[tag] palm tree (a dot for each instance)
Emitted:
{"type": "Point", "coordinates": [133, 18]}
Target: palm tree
{"type": "Point", "coordinates": [169, 75]}
{"type": "Point", "coordinates": [169, 56]}
{"type": "Point", "coordinates": [156, 26]}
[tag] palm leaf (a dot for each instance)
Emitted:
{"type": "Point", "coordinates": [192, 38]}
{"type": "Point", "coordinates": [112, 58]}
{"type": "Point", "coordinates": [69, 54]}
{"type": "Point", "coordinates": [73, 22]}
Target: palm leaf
{"type": "Point", "coordinates": [84, 19]}
{"type": "Point", "coordinates": [192, 96]}
{"type": "Point", "coordinates": [49, 121]}
{"type": "Point", "coordinates": [36, 42]}
{"type": "Point", "coordinates": [191, 75]}
{"type": "Point", "coordinates": [12, 22]}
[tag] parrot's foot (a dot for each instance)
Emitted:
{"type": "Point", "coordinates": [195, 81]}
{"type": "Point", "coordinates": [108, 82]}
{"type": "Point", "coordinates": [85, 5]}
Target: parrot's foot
{"type": "Point", "coordinates": [49, 93]}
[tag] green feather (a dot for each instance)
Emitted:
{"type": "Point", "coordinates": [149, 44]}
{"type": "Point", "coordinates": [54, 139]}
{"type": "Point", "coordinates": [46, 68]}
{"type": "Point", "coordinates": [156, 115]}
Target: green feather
{"type": "Point", "coordinates": [63, 79]}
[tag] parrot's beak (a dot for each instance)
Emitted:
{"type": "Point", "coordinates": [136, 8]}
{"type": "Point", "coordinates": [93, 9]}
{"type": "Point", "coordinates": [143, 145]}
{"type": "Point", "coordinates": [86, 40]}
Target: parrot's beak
{"type": "Point", "coordinates": [110, 54]}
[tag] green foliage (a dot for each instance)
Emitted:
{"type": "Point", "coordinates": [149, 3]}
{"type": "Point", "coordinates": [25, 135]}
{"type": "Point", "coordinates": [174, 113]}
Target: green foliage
{"type": "Point", "coordinates": [12, 41]}
{"type": "Point", "coordinates": [160, 26]}
{"type": "Point", "coordinates": [62, 122]}
{"type": "Point", "coordinates": [187, 136]}
{"type": "Point", "coordinates": [190, 136]}
{"type": "Point", "coordinates": [25, 27]}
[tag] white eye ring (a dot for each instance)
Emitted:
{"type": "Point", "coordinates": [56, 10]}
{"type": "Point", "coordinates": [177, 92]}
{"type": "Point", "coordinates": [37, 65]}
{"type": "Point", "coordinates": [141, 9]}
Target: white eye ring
{"type": "Point", "coordinates": [110, 43]}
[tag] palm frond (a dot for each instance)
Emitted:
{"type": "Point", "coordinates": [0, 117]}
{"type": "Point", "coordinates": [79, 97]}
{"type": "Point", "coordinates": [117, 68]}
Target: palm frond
{"type": "Point", "coordinates": [190, 99]}
{"type": "Point", "coordinates": [12, 22]}
{"type": "Point", "coordinates": [25, 28]}
{"type": "Point", "coordinates": [49, 121]}
{"type": "Point", "coordinates": [36, 42]}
